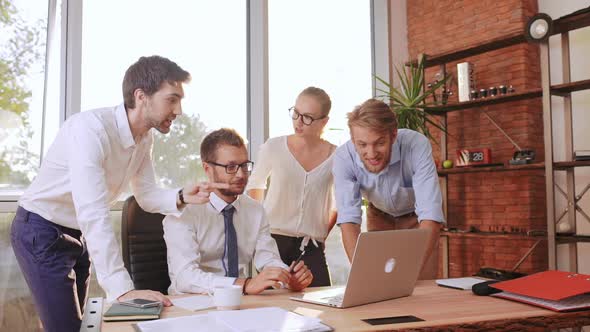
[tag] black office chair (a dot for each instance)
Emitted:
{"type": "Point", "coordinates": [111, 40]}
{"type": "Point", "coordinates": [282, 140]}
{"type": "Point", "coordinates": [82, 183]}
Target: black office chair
{"type": "Point", "coordinates": [144, 248]}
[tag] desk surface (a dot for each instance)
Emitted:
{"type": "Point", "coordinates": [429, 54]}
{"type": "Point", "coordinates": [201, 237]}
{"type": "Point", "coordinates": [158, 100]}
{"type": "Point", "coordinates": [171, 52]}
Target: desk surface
{"type": "Point", "coordinates": [441, 308]}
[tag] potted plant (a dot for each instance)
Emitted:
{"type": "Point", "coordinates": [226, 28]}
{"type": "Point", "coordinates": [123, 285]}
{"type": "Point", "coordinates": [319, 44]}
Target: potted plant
{"type": "Point", "coordinates": [410, 101]}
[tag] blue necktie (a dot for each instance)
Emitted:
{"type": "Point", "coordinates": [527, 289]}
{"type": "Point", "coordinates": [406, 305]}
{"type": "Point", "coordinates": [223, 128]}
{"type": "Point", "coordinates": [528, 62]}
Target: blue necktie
{"type": "Point", "coordinates": [231, 242]}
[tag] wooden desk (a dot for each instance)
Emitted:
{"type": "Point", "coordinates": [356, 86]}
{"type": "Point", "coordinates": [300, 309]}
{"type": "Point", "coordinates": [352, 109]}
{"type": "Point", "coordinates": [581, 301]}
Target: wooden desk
{"type": "Point", "coordinates": [443, 309]}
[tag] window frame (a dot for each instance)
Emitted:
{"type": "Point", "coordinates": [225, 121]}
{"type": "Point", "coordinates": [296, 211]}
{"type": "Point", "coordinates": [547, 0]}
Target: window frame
{"type": "Point", "coordinates": [70, 59]}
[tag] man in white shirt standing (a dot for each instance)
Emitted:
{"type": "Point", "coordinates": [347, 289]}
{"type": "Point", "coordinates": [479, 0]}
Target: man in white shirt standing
{"type": "Point", "coordinates": [210, 245]}
{"type": "Point", "coordinates": [63, 217]}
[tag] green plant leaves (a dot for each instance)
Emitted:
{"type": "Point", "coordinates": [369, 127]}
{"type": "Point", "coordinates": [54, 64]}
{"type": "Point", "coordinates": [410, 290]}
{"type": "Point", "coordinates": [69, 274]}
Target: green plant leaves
{"type": "Point", "coordinates": [409, 101]}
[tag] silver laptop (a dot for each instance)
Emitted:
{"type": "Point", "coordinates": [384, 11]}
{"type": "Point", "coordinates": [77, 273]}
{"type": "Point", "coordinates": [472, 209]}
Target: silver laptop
{"type": "Point", "coordinates": [385, 266]}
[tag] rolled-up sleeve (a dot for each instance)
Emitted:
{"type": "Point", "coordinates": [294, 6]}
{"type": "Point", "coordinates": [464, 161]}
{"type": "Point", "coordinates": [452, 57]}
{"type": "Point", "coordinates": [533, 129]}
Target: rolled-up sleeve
{"type": "Point", "coordinates": [425, 183]}
{"type": "Point", "coordinates": [346, 188]}
{"type": "Point", "coordinates": [89, 194]}
{"type": "Point", "coordinates": [184, 258]}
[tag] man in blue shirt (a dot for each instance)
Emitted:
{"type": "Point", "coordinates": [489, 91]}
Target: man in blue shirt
{"type": "Point", "coordinates": [394, 171]}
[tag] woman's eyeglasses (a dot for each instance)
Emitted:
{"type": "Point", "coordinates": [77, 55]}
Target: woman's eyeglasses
{"type": "Point", "coordinates": [306, 119]}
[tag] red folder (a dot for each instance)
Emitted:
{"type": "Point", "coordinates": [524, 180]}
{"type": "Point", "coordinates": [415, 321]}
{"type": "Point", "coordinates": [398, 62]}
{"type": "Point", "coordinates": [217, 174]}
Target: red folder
{"type": "Point", "coordinates": [555, 290]}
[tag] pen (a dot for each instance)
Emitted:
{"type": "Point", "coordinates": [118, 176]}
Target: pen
{"type": "Point", "coordinates": [282, 285]}
{"type": "Point", "coordinates": [297, 260]}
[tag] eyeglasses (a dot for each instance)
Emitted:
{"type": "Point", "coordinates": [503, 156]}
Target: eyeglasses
{"type": "Point", "coordinates": [306, 119]}
{"type": "Point", "coordinates": [233, 168]}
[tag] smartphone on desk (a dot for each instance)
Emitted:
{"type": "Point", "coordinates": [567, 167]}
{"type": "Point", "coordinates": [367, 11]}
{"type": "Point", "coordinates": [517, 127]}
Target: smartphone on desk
{"type": "Point", "coordinates": [141, 303]}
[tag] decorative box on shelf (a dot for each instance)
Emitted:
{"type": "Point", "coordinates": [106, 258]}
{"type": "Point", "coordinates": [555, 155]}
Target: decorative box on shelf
{"type": "Point", "coordinates": [473, 157]}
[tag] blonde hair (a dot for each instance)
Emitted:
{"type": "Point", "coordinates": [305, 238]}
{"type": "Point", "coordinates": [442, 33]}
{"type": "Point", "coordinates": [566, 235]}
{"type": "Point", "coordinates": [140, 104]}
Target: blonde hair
{"type": "Point", "coordinates": [321, 96]}
{"type": "Point", "coordinates": [373, 114]}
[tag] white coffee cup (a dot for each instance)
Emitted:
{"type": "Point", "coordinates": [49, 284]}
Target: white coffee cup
{"type": "Point", "coordinates": [227, 297]}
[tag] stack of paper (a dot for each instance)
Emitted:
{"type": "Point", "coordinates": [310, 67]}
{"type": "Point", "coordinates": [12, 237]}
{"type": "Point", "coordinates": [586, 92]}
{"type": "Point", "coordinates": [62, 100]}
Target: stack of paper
{"type": "Point", "coordinates": [269, 319]}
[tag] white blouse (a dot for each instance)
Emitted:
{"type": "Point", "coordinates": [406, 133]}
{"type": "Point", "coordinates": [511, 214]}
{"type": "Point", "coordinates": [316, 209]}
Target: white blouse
{"type": "Point", "coordinates": [298, 203]}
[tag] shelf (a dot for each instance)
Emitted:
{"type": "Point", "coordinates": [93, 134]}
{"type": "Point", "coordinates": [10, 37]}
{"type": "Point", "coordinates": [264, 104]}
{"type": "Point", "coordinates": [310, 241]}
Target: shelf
{"type": "Point", "coordinates": [576, 20]}
{"type": "Point", "coordinates": [439, 110]}
{"type": "Point", "coordinates": [502, 168]}
{"type": "Point", "coordinates": [494, 44]}
{"type": "Point", "coordinates": [560, 90]}
{"type": "Point", "coordinates": [562, 165]}
{"type": "Point", "coordinates": [564, 89]}
{"type": "Point", "coordinates": [572, 238]}
{"type": "Point", "coordinates": [491, 235]}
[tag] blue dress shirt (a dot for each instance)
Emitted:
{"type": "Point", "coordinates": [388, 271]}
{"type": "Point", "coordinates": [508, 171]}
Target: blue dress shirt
{"type": "Point", "coordinates": [409, 183]}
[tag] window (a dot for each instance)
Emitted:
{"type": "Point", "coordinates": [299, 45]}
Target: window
{"type": "Point", "coordinates": [206, 38]}
{"type": "Point", "coordinates": [22, 67]}
{"type": "Point", "coordinates": [309, 45]}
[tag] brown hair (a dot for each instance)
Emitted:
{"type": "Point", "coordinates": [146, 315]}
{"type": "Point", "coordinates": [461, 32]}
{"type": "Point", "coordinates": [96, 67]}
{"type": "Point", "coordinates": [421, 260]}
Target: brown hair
{"type": "Point", "coordinates": [373, 114]}
{"type": "Point", "coordinates": [148, 74]}
{"type": "Point", "coordinates": [216, 138]}
{"type": "Point", "coordinates": [321, 96]}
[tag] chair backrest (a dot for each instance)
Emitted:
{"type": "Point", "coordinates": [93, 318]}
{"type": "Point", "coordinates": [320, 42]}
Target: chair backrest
{"type": "Point", "coordinates": [144, 248]}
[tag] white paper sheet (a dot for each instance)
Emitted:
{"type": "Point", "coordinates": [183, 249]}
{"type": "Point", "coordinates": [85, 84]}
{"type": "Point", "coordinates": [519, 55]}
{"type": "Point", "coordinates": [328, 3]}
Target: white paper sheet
{"type": "Point", "coordinates": [194, 303]}
{"type": "Point", "coordinates": [196, 323]}
{"type": "Point", "coordinates": [270, 319]}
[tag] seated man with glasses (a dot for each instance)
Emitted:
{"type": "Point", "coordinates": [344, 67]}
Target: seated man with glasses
{"type": "Point", "coordinates": [211, 245]}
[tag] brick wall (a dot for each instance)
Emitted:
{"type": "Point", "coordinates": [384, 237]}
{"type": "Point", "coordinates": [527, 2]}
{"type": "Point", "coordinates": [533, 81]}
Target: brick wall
{"type": "Point", "coordinates": [491, 202]}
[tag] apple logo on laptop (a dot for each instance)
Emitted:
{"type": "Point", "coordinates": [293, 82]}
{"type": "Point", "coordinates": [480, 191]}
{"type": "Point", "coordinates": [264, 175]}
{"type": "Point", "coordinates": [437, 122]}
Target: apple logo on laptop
{"type": "Point", "coordinates": [389, 265]}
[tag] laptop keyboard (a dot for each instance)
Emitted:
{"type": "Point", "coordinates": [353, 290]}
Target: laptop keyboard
{"type": "Point", "coordinates": [336, 299]}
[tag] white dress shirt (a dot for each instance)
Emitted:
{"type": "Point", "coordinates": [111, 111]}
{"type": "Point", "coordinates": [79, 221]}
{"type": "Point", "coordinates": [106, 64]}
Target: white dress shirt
{"type": "Point", "coordinates": [91, 161]}
{"type": "Point", "coordinates": [298, 203]}
{"type": "Point", "coordinates": [196, 241]}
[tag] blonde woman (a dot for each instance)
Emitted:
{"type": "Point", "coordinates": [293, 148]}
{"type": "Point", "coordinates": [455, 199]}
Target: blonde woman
{"type": "Point", "coordinates": [299, 201]}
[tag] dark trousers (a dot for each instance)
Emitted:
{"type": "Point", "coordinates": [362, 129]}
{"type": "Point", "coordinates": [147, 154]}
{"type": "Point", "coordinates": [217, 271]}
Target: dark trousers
{"type": "Point", "coordinates": [56, 267]}
{"type": "Point", "coordinates": [314, 257]}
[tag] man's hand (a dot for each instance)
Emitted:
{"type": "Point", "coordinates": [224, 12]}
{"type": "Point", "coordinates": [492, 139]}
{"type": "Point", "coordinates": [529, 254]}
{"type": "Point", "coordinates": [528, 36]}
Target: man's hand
{"type": "Point", "coordinates": [145, 294]}
{"type": "Point", "coordinates": [199, 193]}
{"type": "Point", "coordinates": [301, 276]}
{"type": "Point", "coordinates": [269, 277]}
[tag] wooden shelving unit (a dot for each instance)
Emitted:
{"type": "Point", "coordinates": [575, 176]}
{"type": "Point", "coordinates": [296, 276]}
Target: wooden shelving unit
{"type": "Point", "coordinates": [440, 110]}
{"type": "Point", "coordinates": [558, 90]}
{"type": "Point", "coordinates": [562, 26]}
{"type": "Point", "coordinates": [571, 22]}
{"type": "Point", "coordinates": [494, 44]}
{"type": "Point", "coordinates": [443, 110]}
{"type": "Point", "coordinates": [564, 165]}
{"type": "Point", "coordinates": [566, 88]}
{"type": "Point", "coordinates": [460, 234]}
{"type": "Point", "coordinates": [572, 238]}
{"type": "Point", "coordinates": [499, 168]}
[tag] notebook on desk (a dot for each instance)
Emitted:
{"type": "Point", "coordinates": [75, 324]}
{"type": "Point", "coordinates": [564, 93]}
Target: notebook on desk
{"type": "Point", "coordinates": [385, 266]}
{"type": "Point", "coordinates": [119, 312]}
